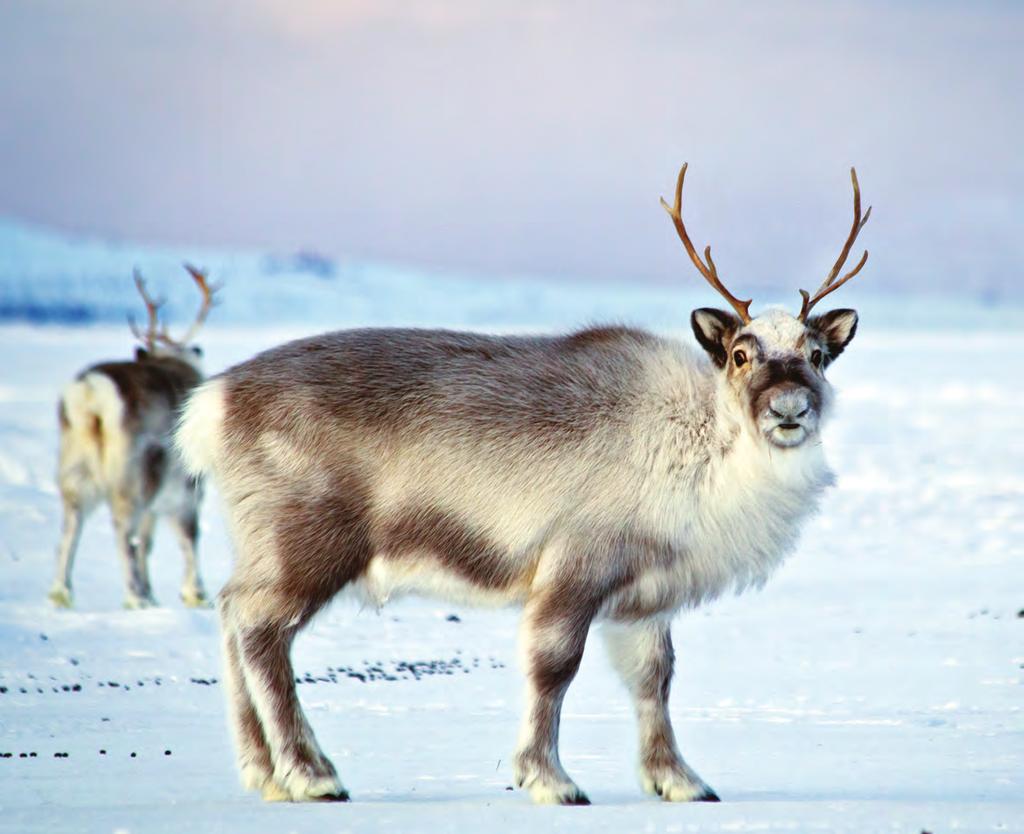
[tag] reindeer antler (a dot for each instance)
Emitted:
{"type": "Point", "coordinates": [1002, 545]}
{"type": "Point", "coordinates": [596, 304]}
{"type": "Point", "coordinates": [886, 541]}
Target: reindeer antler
{"type": "Point", "coordinates": [831, 284]}
{"type": "Point", "coordinates": [208, 302]}
{"type": "Point", "coordinates": [157, 332]}
{"type": "Point", "coordinates": [708, 269]}
{"type": "Point", "coordinates": [153, 330]}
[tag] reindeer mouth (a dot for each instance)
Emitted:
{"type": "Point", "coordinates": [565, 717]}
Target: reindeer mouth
{"type": "Point", "coordinates": [787, 413]}
{"type": "Point", "coordinates": [786, 435]}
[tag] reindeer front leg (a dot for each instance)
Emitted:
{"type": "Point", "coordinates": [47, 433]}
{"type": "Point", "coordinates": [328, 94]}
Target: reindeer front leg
{"type": "Point", "coordinates": [553, 634]}
{"type": "Point", "coordinates": [642, 654]}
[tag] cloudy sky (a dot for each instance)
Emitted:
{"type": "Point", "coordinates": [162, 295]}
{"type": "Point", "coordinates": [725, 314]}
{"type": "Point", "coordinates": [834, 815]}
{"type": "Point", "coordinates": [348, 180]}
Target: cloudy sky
{"type": "Point", "coordinates": [528, 136]}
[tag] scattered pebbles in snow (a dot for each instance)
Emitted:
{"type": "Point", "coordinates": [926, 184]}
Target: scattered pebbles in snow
{"type": "Point", "coordinates": [392, 670]}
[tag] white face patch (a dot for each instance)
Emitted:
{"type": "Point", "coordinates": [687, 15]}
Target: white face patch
{"type": "Point", "coordinates": [777, 330]}
{"type": "Point", "coordinates": [773, 373]}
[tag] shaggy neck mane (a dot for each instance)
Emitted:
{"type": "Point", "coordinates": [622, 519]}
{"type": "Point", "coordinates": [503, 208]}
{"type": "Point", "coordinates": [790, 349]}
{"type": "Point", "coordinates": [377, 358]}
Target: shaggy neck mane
{"type": "Point", "coordinates": [734, 503]}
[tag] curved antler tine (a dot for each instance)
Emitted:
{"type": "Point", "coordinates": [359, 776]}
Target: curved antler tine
{"type": "Point", "coordinates": [199, 276]}
{"type": "Point", "coordinates": [679, 188]}
{"type": "Point", "coordinates": [858, 224]}
{"type": "Point", "coordinates": [830, 284]}
{"type": "Point", "coordinates": [867, 214]}
{"type": "Point", "coordinates": [708, 270]}
{"type": "Point", "coordinates": [740, 306]}
{"type": "Point", "coordinates": [805, 307]}
{"type": "Point", "coordinates": [676, 209]}
{"type": "Point", "coordinates": [150, 336]}
{"type": "Point", "coordinates": [808, 302]}
{"type": "Point", "coordinates": [137, 332]}
{"type": "Point", "coordinates": [860, 265]}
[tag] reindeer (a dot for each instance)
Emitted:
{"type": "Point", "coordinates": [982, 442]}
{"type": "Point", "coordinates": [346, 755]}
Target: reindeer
{"type": "Point", "coordinates": [115, 422]}
{"type": "Point", "coordinates": [609, 476]}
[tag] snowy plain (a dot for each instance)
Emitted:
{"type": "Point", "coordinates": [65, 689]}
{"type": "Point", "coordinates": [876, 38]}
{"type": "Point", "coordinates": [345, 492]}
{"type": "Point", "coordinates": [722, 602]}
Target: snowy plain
{"type": "Point", "coordinates": [875, 684]}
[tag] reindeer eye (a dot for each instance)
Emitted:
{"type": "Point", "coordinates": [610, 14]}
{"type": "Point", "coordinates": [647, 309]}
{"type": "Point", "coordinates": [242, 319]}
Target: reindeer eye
{"type": "Point", "coordinates": [740, 358]}
{"type": "Point", "coordinates": [816, 358]}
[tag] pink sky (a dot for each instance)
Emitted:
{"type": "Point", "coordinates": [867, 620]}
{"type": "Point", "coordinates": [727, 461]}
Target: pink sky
{"type": "Point", "coordinates": [526, 137]}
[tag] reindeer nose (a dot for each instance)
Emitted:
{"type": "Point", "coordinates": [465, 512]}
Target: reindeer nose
{"type": "Point", "coordinates": [790, 404]}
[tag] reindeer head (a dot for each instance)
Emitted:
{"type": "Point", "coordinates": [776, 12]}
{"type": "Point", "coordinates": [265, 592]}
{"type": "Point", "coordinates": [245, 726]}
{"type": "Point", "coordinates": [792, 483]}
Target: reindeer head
{"type": "Point", "coordinates": [774, 364]}
{"type": "Point", "coordinates": [156, 341]}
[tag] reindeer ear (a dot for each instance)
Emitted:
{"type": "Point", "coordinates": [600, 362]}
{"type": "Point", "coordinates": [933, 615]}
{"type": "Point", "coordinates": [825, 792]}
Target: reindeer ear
{"type": "Point", "coordinates": [713, 329]}
{"type": "Point", "coordinates": [836, 327]}
{"type": "Point", "coordinates": [140, 354]}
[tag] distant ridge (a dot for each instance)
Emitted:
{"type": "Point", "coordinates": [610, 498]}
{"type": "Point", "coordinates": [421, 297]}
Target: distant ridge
{"type": "Point", "coordinates": [47, 278]}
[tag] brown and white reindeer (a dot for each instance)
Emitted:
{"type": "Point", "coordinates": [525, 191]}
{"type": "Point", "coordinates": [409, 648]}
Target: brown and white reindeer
{"type": "Point", "coordinates": [116, 447]}
{"type": "Point", "coordinates": [609, 475]}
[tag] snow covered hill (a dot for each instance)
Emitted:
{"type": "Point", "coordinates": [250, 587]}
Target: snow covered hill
{"type": "Point", "coordinates": [46, 277]}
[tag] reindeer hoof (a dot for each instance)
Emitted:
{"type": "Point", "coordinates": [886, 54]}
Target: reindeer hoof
{"type": "Point", "coordinates": [254, 777]}
{"type": "Point", "coordinates": [60, 597]}
{"type": "Point", "coordinates": [673, 786]}
{"type": "Point", "coordinates": [195, 599]}
{"type": "Point", "coordinates": [558, 795]}
{"type": "Point", "coordinates": [273, 792]}
{"type": "Point", "coordinates": [135, 603]}
{"type": "Point", "coordinates": [340, 796]}
{"type": "Point", "coordinates": [304, 787]}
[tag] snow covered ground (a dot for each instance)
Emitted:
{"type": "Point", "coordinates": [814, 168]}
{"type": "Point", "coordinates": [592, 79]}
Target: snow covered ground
{"type": "Point", "coordinates": [874, 685]}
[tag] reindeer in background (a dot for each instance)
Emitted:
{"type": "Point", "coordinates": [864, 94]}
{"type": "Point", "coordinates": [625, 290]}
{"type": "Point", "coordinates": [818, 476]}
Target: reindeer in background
{"type": "Point", "coordinates": [609, 475]}
{"type": "Point", "coordinates": [116, 421]}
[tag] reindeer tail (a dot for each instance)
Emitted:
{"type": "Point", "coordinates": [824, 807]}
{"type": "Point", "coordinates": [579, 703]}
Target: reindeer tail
{"type": "Point", "coordinates": [199, 428]}
{"type": "Point", "coordinates": [91, 415]}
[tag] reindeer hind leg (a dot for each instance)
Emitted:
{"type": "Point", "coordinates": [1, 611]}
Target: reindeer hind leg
{"type": "Point", "coordinates": [264, 623]}
{"type": "Point", "coordinates": [74, 514]}
{"type": "Point", "coordinates": [186, 527]}
{"type": "Point", "coordinates": [256, 769]}
{"type": "Point", "coordinates": [319, 544]}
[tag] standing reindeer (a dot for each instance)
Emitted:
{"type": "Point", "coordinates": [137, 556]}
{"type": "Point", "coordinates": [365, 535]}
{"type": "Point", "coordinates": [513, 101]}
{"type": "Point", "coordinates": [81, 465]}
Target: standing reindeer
{"type": "Point", "coordinates": [116, 420]}
{"type": "Point", "coordinates": [608, 475]}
